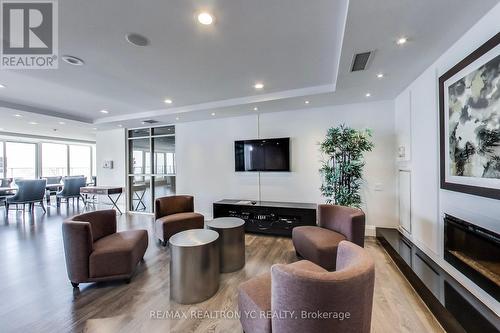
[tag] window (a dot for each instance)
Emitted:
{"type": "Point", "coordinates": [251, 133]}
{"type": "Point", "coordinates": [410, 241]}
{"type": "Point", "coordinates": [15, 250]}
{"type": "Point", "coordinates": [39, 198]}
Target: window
{"type": "Point", "coordinates": [2, 169]}
{"type": "Point", "coordinates": [160, 163]}
{"type": "Point", "coordinates": [94, 163]}
{"type": "Point", "coordinates": [164, 147]}
{"type": "Point", "coordinates": [147, 162]}
{"type": "Point", "coordinates": [80, 161]}
{"type": "Point", "coordinates": [170, 168]}
{"type": "Point", "coordinates": [20, 160]}
{"type": "Point", "coordinates": [31, 160]}
{"type": "Point", "coordinates": [54, 159]}
{"type": "Point", "coordinates": [139, 161]}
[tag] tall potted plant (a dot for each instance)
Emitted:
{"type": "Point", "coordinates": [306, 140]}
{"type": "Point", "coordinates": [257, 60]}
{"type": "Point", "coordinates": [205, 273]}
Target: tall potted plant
{"type": "Point", "coordinates": [342, 166]}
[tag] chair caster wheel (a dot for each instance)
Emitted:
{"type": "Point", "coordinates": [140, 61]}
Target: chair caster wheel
{"type": "Point", "coordinates": [75, 285]}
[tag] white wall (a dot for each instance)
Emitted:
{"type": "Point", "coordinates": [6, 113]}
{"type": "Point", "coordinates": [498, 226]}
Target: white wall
{"type": "Point", "coordinates": [111, 145]}
{"type": "Point", "coordinates": [205, 161]}
{"type": "Point", "coordinates": [205, 157]}
{"type": "Point", "coordinates": [419, 104]}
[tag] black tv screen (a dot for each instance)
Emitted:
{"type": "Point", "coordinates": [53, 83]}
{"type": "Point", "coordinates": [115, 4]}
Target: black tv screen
{"type": "Point", "coordinates": [262, 155]}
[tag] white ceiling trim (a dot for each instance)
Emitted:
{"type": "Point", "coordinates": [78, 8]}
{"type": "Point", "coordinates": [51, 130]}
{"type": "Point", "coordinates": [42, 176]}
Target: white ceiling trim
{"type": "Point", "coordinates": [14, 136]}
{"type": "Point", "coordinates": [339, 40]}
{"type": "Point", "coordinates": [329, 88]}
{"type": "Point", "coordinates": [46, 112]}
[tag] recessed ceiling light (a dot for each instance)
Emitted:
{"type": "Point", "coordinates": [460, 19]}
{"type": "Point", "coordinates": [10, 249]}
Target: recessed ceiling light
{"type": "Point", "coordinates": [380, 75]}
{"type": "Point", "coordinates": [94, 128]}
{"type": "Point", "coordinates": [2, 86]}
{"type": "Point", "coordinates": [104, 111]}
{"type": "Point", "coordinates": [256, 109]}
{"type": "Point", "coordinates": [402, 41]}
{"type": "Point", "coordinates": [306, 102]}
{"type": "Point", "coordinates": [73, 60]}
{"type": "Point", "coordinates": [18, 115]}
{"type": "Point", "coordinates": [205, 18]}
{"type": "Point", "coordinates": [33, 123]}
{"type": "Point", "coordinates": [62, 123]}
{"type": "Point", "coordinates": [258, 85]}
{"type": "Point", "coordinates": [136, 39]}
{"type": "Point", "coordinates": [119, 125]}
{"type": "Point", "coordinates": [177, 118]}
{"type": "Point", "coordinates": [168, 101]}
{"type": "Point", "coordinates": [368, 94]}
{"type": "Point", "coordinates": [213, 113]}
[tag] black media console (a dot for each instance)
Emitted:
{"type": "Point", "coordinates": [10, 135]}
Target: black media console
{"type": "Point", "coordinates": [268, 217]}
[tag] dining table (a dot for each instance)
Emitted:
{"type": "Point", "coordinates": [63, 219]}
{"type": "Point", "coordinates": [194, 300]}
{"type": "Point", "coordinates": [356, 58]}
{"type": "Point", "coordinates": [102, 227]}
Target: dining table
{"type": "Point", "coordinates": [7, 189]}
{"type": "Point", "coordinates": [5, 192]}
{"type": "Point", "coordinates": [52, 188]}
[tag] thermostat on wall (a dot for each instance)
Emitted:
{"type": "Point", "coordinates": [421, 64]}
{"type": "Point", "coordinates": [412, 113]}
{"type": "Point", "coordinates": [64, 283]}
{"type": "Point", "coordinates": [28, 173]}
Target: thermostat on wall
{"type": "Point", "coordinates": [107, 165]}
{"type": "Point", "coordinates": [401, 152]}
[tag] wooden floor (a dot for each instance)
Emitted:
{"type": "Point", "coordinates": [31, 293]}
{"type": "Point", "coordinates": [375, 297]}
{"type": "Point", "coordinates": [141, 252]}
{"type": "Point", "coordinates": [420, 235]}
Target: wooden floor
{"type": "Point", "coordinates": [36, 295]}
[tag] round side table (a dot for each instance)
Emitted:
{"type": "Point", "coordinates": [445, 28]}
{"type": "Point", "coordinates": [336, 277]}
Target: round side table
{"type": "Point", "coordinates": [232, 242]}
{"type": "Point", "coordinates": [194, 265]}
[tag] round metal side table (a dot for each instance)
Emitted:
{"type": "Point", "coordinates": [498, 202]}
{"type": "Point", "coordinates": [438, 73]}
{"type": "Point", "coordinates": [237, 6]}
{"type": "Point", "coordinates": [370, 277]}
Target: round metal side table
{"type": "Point", "coordinates": [194, 265]}
{"type": "Point", "coordinates": [231, 242]}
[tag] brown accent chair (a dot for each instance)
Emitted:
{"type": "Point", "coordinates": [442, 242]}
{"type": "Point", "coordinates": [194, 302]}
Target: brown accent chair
{"type": "Point", "coordinates": [96, 252]}
{"type": "Point", "coordinates": [335, 224]}
{"type": "Point", "coordinates": [174, 214]}
{"type": "Point", "coordinates": [305, 288]}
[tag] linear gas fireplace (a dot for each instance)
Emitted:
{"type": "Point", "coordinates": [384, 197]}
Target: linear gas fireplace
{"type": "Point", "coordinates": [475, 252]}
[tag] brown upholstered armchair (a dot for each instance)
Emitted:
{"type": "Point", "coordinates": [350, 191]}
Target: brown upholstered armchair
{"type": "Point", "coordinates": [293, 292]}
{"type": "Point", "coordinates": [335, 224]}
{"type": "Point", "coordinates": [174, 214]}
{"type": "Point", "coordinates": [96, 252]}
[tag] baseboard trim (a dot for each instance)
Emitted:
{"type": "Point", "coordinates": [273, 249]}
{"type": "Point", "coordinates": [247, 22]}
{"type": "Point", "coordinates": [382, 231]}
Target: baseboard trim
{"type": "Point", "coordinates": [370, 230]}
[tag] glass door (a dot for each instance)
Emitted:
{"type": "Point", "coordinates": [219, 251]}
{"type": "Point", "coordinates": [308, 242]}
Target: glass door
{"type": "Point", "coordinates": [140, 175]}
{"type": "Point", "coordinates": [164, 165]}
{"type": "Point", "coordinates": [151, 166]}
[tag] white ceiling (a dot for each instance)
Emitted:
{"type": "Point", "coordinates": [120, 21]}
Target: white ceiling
{"type": "Point", "coordinates": [47, 126]}
{"type": "Point", "coordinates": [297, 48]}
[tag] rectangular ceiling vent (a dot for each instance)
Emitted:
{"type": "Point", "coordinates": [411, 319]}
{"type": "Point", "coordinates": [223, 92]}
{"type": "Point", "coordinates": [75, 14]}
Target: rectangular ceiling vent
{"type": "Point", "coordinates": [150, 121]}
{"type": "Point", "coordinates": [360, 61]}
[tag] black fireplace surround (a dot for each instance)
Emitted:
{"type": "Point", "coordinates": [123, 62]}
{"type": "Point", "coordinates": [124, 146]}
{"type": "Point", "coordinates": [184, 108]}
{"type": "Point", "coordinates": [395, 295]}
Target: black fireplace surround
{"type": "Point", "coordinates": [453, 305]}
{"type": "Point", "coordinates": [475, 252]}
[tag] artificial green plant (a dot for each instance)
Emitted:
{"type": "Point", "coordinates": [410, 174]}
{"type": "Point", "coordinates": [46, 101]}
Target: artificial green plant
{"type": "Point", "coordinates": [343, 162]}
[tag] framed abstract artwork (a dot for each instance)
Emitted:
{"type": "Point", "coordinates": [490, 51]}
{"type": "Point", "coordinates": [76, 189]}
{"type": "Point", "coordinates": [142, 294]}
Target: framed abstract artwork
{"type": "Point", "coordinates": [469, 117]}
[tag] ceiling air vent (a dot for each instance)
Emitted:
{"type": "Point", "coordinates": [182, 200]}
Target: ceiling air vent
{"type": "Point", "coordinates": [360, 61]}
{"type": "Point", "coordinates": [150, 121]}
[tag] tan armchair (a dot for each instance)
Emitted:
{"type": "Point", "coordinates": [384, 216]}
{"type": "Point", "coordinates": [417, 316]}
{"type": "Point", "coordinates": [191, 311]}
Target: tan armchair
{"type": "Point", "coordinates": [96, 252]}
{"type": "Point", "coordinates": [174, 214]}
{"type": "Point", "coordinates": [335, 224]}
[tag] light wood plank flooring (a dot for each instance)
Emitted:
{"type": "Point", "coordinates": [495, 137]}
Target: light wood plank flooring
{"type": "Point", "coordinates": [37, 297]}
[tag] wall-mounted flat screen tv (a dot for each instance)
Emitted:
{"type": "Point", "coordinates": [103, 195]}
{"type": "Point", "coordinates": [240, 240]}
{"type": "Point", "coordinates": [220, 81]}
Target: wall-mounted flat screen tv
{"type": "Point", "coordinates": [262, 155]}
